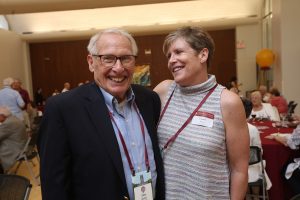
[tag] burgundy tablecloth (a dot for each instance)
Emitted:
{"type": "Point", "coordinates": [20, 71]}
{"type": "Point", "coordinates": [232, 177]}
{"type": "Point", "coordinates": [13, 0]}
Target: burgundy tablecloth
{"type": "Point", "coordinates": [276, 156]}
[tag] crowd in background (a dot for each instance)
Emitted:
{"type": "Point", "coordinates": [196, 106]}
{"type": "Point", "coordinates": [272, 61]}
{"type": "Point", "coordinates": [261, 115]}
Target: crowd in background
{"type": "Point", "coordinates": [267, 104]}
{"type": "Point", "coordinates": [17, 114]}
{"type": "Point", "coordinates": [270, 104]}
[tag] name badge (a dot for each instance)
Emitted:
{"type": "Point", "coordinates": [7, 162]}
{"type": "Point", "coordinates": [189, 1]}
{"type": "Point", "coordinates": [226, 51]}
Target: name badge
{"type": "Point", "coordinates": [202, 118]}
{"type": "Point", "coordinates": [142, 186]}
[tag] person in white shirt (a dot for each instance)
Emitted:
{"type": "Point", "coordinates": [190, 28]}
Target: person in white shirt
{"type": "Point", "coordinates": [254, 170]}
{"type": "Point", "coordinates": [263, 110]}
{"type": "Point", "coordinates": [67, 87]}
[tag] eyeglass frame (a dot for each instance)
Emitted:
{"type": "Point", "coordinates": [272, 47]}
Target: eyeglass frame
{"type": "Point", "coordinates": [116, 59]}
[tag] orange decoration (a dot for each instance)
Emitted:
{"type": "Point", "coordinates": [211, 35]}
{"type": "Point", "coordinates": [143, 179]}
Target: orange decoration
{"type": "Point", "coordinates": [265, 58]}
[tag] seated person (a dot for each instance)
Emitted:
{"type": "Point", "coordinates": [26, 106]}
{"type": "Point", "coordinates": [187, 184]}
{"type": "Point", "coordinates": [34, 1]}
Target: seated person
{"type": "Point", "coordinates": [233, 85]}
{"type": "Point", "coordinates": [254, 170]}
{"type": "Point", "coordinates": [292, 173]}
{"type": "Point", "coordinates": [278, 101]}
{"type": "Point", "coordinates": [56, 92]}
{"type": "Point", "coordinates": [12, 137]}
{"type": "Point", "coordinates": [264, 93]}
{"type": "Point", "coordinates": [32, 113]}
{"type": "Point", "coordinates": [262, 110]}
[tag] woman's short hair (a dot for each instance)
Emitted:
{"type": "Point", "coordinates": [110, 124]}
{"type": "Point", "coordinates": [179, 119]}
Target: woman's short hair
{"type": "Point", "coordinates": [92, 47]}
{"type": "Point", "coordinates": [275, 92]}
{"type": "Point", "coordinates": [196, 37]}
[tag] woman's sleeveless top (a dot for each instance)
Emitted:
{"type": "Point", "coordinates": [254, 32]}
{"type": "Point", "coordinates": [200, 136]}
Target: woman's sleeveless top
{"type": "Point", "coordinates": [196, 165]}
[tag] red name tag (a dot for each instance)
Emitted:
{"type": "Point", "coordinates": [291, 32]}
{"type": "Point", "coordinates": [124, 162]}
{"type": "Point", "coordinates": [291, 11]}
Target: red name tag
{"type": "Point", "coordinates": [205, 114]}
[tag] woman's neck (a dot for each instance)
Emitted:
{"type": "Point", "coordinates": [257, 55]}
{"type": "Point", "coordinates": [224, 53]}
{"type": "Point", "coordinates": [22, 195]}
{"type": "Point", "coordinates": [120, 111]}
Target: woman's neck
{"type": "Point", "coordinates": [257, 107]}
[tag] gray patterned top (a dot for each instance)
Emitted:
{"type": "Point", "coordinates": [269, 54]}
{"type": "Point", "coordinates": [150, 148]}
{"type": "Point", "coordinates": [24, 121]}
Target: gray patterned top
{"type": "Point", "coordinates": [196, 165]}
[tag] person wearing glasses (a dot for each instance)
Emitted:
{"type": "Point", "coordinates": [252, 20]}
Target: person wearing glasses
{"type": "Point", "coordinates": [202, 130]}
{"type": "Point", "coordinates": [99, 141]}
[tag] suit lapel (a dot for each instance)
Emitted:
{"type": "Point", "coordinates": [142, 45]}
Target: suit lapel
{"type": "Point", "coordinates": [145, 111]}
{"type": "Point", "coordinates": [100, 118]}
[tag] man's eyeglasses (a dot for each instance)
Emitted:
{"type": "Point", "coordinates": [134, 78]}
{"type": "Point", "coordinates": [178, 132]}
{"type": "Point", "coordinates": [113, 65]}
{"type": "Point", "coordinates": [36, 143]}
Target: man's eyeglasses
{"type": "Point", "coordinates": [110, 60]}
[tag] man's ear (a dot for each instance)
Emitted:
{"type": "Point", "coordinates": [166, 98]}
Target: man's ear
{"type": "Point", "coordinates": [203, 55]}
{"type": "Point", "coordinates": [91, 63]}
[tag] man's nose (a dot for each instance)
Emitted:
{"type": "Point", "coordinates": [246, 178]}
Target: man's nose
{"type": "Point", "coordinates": [118, 67]}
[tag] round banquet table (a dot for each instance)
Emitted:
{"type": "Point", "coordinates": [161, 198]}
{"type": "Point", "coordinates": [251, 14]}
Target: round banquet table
{"type": "Point", "coordinates": [276, 156]}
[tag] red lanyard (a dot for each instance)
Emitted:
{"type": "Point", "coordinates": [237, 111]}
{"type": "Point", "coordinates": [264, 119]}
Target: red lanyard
{"type": "Point", "coordinates": [173, 138]}
{"type": "Point", "coordinates": [124, 144]}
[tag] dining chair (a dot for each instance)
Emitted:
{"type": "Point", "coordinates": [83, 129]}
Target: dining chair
{"type": "Point", "coordinates": [27, 154]}
{"type": "Point", "coordinates": [254, 158]}
{"type": "Point", "coordinates": [291, 109]}
{"type": "Point", "coordinates": [14, 187]}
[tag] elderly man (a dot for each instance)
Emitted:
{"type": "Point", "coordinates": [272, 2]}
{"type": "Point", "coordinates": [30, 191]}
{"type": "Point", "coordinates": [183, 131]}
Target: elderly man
{"type": "Point", "coordinates": [99, 141]}
{"type": "Point", "coordinates": [264, 93]}
{"type": "Point", "coordinates": [11, 98]}
{"type": "Point", "coordinates": [12, 137]}
{"type": "Point", "coordinates": [17, 85]}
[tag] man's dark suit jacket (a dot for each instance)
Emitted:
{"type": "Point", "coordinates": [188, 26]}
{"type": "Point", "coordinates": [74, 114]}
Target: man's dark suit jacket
{"type": "Point", "coordinates": [80, 156]}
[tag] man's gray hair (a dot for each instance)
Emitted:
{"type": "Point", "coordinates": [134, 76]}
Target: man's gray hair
{"type": "Point", "coordinates": [8, 81]}
{"type": "Point", "coordinates": [5, 111]}
{"type": "Point", "coordinates": [92, 48]}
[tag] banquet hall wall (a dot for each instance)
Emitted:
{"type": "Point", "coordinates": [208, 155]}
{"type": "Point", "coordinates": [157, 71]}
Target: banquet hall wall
{"type": "Point", "coordinates": [53, 63]}
{"type": "Point", "coordinates": [243, 60]}
{"type": "Point", "coordinates": [14, 58]}
{"type": "Point", "coordinates": [15, 61]}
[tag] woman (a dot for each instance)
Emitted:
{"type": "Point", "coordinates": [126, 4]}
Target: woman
{"type": "Point", "coordinates": [278, 101]}
{"type": "Point", "coordinates": [254, 170]}
{"type": "Point", "coordinates": [208, 159]}
{"type": "Point", "coordinates": [263, 110]}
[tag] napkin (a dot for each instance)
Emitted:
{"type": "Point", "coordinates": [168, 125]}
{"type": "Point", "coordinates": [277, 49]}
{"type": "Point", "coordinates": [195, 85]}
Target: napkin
{"type": "Point", "coordinates": [280, 134]}
{"type": "Point", "coordinates": [292, 167]}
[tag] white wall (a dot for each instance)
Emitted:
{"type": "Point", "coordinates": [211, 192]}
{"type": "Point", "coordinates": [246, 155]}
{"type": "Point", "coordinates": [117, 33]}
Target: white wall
{"type": "Point", "coordinates": [285, 45]}
{"type": "Point", "coordinates": [14, 58]}
{"type": "Point", "coordinates": [250, 35]}
{"type": "Point", "coordinates": [286, 42]}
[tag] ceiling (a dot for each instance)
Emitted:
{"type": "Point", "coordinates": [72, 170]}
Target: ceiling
{"type": "Point", "coordinates": [37, 20]}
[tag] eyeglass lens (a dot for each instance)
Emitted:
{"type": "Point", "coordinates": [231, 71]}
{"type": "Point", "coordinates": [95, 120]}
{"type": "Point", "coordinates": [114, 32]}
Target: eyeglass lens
{"type": "Point", "coordinates": [110, 60]}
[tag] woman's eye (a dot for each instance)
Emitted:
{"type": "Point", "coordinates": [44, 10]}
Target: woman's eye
{"type": "Point", "coordinates": [177, 52]}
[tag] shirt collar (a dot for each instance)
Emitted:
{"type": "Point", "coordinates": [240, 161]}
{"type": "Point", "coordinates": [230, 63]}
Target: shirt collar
{"type": "Point", "coordinates": [111, 101]}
